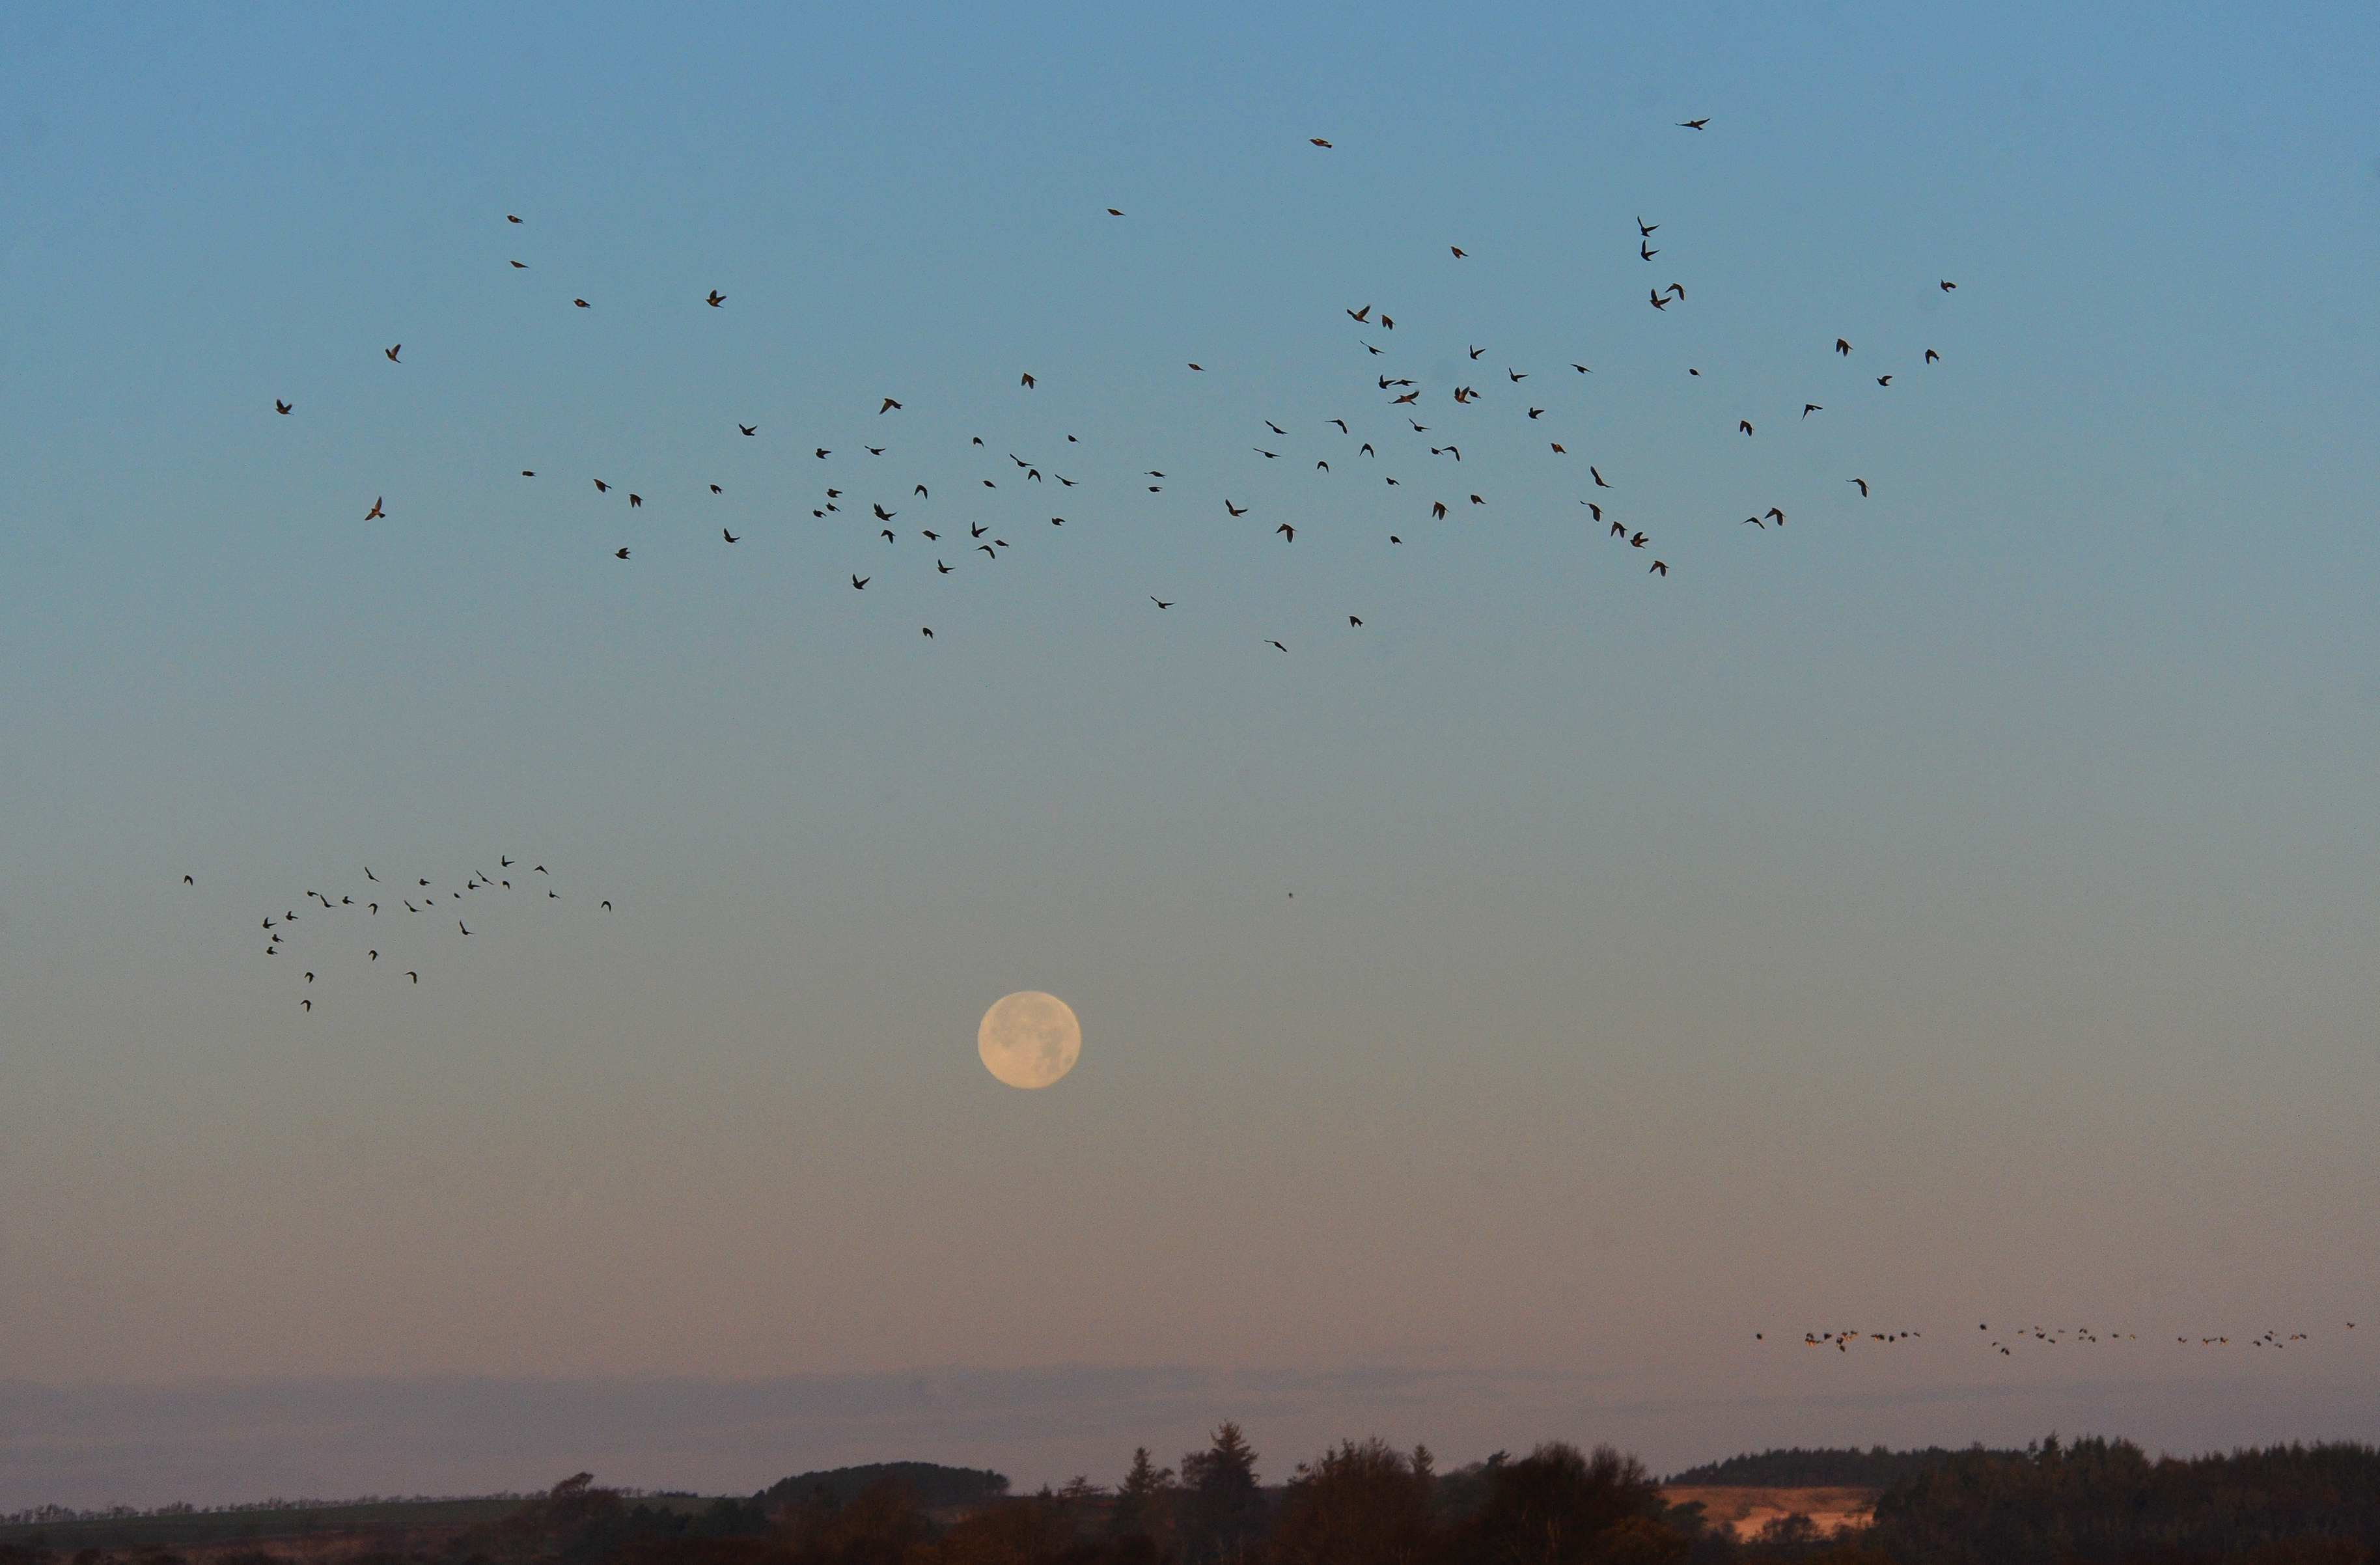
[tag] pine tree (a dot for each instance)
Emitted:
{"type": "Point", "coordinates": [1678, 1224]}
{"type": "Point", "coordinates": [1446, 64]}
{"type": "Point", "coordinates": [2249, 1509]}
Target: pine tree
{"type": "Point", "coordinates": [1225, 1510]}
{"type": "Point", "coordinates": [1145, 1498]}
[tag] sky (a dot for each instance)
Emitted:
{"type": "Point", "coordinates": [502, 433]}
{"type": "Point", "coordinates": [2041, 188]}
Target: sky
{"type": "Point", "coordinates": [1950, 909]}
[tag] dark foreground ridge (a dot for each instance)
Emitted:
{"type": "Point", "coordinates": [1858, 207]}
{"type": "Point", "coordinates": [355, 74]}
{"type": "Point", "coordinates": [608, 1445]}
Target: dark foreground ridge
{"type": "Point", "coordinates": [2086, 1502]}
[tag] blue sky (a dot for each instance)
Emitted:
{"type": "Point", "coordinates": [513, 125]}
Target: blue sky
{"type": "Point", "coordinates": [1956, 903]}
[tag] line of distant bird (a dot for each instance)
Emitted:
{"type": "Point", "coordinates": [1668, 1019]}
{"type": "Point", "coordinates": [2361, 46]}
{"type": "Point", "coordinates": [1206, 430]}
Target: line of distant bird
{"type": "Point", "coordinates": [1842, 1340]}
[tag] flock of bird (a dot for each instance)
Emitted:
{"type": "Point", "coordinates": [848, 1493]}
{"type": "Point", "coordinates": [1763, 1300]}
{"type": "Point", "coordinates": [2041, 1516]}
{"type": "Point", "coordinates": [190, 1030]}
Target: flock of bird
{"type": "Point", "coordinates": [2005, 1344]}
{"type": "Point", "coordinates": [375, 919]}
{"type": "Point", "coordinates": [1379, 438]}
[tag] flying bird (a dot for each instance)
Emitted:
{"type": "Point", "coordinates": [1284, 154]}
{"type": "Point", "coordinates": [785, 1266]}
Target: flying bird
{"type": "Point", "coordinates": [510, 218]}
{"type": "Point", "coordinates": [1161, 602]}
{"type": "Point", "coordinates": [1931, 356]}
{"type": "Point", "coordinates": [1842, 348]}
{"type": "Point", "coordinates": [1353, 620]}
{"type": "Point", "coordinates": [375, 513]}
{"type": "Point", "coordinates": [1235, 510]}
{"type": "Point", "coordinates": [601, 488]}
{"type": "Point", "coordinates": [1581, 368]}
{"type": "Point", "coordinates": [1291, 532]}
{"type": "Point", "coordinates": [1200, 367]}
{"type": "Point", "coordinates": [859, 583]}
{"type": "Point", "coordinates": [941, 569]}
{"type": "Point", "coordinates": [1947, 286]}
{"type": "Point", "coordinates": [1359, 314]}
{"type": "Point", "coordinates": [1810, 407]}
{"type": "Point", "coordinates": [755, 429]}
{"type": "Point", "coordinates": [1027, 381]}
{"type": "Point", "coordinates": [889, 405]}
{"type": "Point", "coordinates": [1457, 253]}
{"type": "Point", "coordinates": [716, 299]}
{"type": "Point", "coordinates": [1660, 567]}
{"type": "Point", "coordinates": [1646, 249]}
{"type": "Point", "coordinates": [582, 304]}
{"type": "Point", "coordinates": [1862, 486]}
{"type": "Point", "coordinates": [1276, 644]}
{"type": "Point", "coordinates": [636, 500]}
{"type": "Point", "coordinates": [729, 536]}
{"type": "Point", "coordinates": [716, 490]}
{"type": "Point", "coordinates": [1658, 302]}
{"type": "Point", "coordinates": [279, 405]}
{"type": "Point", "coordinates": [620, 554]}
{"type": "Point", "coordinates": [1596, 476]}
{"type": "Point", "coordinates": [1694, 124]}
{"type": "Point", "coordinates": [1744, 424]}
{"type": "Point", "coordinates": [1112, 213]}
{"type": "Point", "coordinates": [1645, 229]}
{"type": "Point", "coordinates": [393, 359]}
{"type": "Point", "coordinates": [1884, 380]}
{"type": "Point", "coordinates": [1318, 141]}
{"type": "Point", "coordinates": [929, 630]}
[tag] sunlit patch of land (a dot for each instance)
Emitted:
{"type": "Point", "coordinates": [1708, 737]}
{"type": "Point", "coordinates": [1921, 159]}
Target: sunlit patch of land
{"type": "Point", "coordinates": [1745, 1511]}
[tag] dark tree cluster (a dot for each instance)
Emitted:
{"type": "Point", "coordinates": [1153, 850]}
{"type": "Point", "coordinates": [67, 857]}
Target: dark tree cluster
{"type": "Point", "coordinates": [2098, 1500]}
{"type": "Point", "coordinates": [2087, 1502]}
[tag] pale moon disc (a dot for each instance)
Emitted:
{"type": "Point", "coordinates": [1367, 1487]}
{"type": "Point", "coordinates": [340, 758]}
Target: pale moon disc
{"type": "Point", "coordinates": [1029, 1038]}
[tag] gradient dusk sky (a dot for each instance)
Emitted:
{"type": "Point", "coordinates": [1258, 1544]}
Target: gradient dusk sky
{"type": "Point", "coordinates": [1957, 907]}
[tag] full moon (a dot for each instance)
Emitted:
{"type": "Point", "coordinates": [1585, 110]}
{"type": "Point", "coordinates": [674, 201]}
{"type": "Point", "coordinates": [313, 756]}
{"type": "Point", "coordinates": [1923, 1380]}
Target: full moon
{"type": "Point", "coordinates": [1029, 1038]}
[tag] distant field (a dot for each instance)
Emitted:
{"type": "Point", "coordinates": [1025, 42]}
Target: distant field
{"type": "Point", "coordinates": [1749, 1510]}
{"type": "Point", "coordinates": [293, 1527]}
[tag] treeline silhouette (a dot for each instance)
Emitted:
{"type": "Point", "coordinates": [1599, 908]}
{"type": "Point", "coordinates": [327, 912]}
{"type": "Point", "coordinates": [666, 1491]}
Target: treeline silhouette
{"type": "Point", "coordinates": [2088, 1502]}
{"type": "Point", "coordinates": [931, 1485]}
{"type": "Point", "coordinates": [1823, 1468]}
{"type": "Point", "coordinates": [2107, 1500]}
